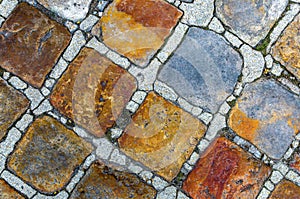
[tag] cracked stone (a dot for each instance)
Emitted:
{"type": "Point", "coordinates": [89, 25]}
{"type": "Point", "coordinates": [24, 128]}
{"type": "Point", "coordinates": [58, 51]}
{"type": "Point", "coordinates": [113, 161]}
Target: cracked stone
{"type": "Point", "coordinates": [104, 182]}
{"type": "Point", "coordinates": [137, 28]}
{"type": "Point", "coordinates": [226, 171]}
{"type": "Point", "coordinates": [37, 44]}
{"type": "Point", "coordinates": [48, 154]}
{"type": "Point", "coordinates": [205, 80]}
{"type": "Point", "coordinates": [268, 116]}
{"type": "Point", "coordinates": [161, 136]}
{"type": "Point", "coordinates": [12, 105]}
{"type": "Point", "coordinates": [286, 189]}
{"type": "Point", "coordinates": [93, 91]}
{"type": "Point", "coordinates": [8, 192]}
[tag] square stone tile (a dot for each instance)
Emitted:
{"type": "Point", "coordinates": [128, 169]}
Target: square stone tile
{"type": "Point", "coordinates": [203, 70]}
{"type": "Point", "coordinates": [93, 91]}
{"type": "Point", "coordinates": [226, 171]}
{"type": "Point", "coordinates": [286, 49]}
{"type": "Point", "coordinates": [286, 189]}
{"type": "Point", "coordinates": [48, 154]}
{"type": "Point", "coordinates": [267, 115]}
{"type": "Point", "coordinates": [161, 136]}
{"type": "Point", "coordinates": [31, 44]}
{"type": "Point", "coordinates": [104, 182]}
{"type": "Point", "coordinates": [7, 192]}
{"type": "Point", "coordinates": [250, 20]}
{"type": "Point", "coordinates": [137, 28]}
{"type": "Point", "coordinates": [12, 105]}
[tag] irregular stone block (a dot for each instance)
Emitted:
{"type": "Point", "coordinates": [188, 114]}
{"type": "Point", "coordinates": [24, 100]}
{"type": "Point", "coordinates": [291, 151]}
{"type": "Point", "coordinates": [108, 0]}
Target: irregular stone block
{"type": "Point", "coordinates": [295, 163]}
{"type": "Point", "coordinates": [7, 192]}
{"type": "Point", "coordinates": [161, 136]}
{"type": "Point", "coordinates": [286, 189]}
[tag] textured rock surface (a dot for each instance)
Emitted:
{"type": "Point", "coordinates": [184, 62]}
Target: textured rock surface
{"type": "Point", "coordinates": [137, 28]}
{"type": "Point", "coordinates": [286, 189]}
{"type": "Point", "coordinates": [236, 14]}
{"type": "Point", "coordinates": [93, 91]}
{"type": "Point", "coordinates": [225, 171]}
{"type": "Point", "coordinates": [37, 43]}
{"type": "Point", "coordinates": [6, 192]}
{"type": "Point", "coordinates": [295, 163]}
{"type": "Point", "coordinates": [161, 136]}
{"type": "Point", "coordinates": [267, 115]}
{"type": "Point", "coordinates": [73, 10]}
{"type": "Point", "coordinates": [203, 70]}
{"type": "Point", "coordinates": [48, 154]}
{"type": "Point", "coordinates": [103, 182]}
{"type": "Point", "coordinates": [286, 49]}
{"type": "Point", "coordinates": [12, 105]}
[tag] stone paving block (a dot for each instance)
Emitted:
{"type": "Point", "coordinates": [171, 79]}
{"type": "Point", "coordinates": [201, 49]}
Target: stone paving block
{"type": "Point", "coordinates": [286, 189]}
{"type": "Point", "coordinates": [286, 49]}
{"type": "Point", "coordinates": [268, 116]}
{"type": "Point", "coordinates": [103, 182]}
{"type": "Point", "coordinates": [137, 28]}
{"type": "Point", "coordinates": [6, 192]}
{"type": "Point", "coordinates": [74, 10]}
{"type": "Point", "coordinates": [226, 171]}
{"type": "Point", "coordinates": [12, 105]}
{"type": "Point", "coordinates": [203, 70]}
{"type": "Point", "coordinates": [31, 44]}
{"type": "Point", "coordinates": [251, 20]}
{"type": "Point", "coordinates": [93, 91]}
{"type": "Point", "coordinates": [161, 136]}
{"type": "Point", "coordinates": [48, 154]}
{"type": "Point", "coordinates": [295, 163]}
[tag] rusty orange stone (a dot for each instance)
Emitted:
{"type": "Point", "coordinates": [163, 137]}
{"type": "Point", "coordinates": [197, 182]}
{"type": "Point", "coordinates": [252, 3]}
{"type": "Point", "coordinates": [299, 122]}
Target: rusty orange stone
{"type": "Point", "coordinates": [103, 182]}
{"type": "Point", "coordinates": [137, 28]}
{"type": "Point", "coordinates": [31, 43]}
{"type": "Point", "coordinates": [12, 105]}
{"type": "Point", "coordinates": [6, 192]}
{"type": "Point", "coordinates": [286, 49]}
{"type": "Point", "coordinates": [161, 136]}
{"type": "Point", "coordinates": [286, 189]}
{"type": "Point", "coordinates": [48, 154]}
{"type": "Point", "coordinates": [226, 171]}
{"type": "Point", "coordinates": [295, 163]}
{"type": "Point", "coordinates": [93, 91]}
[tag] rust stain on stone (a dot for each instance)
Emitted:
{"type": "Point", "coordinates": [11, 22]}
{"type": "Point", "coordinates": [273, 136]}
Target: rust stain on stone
{"type": "Point", "coordinates": [161, 136]}
{"type": "Point", "coordinates": [103, 182]}
{"type": "Point", "coordinates": [286, 189]}
{"type": "Point", "coordinates": [31, 44]}
{"type": "Point", "coordinates": [6, 192]}
{"type": "Point", "coordinates": [225, 171]}
{"type": "Point", "coordinates": [93, 91]}
{"type": "Point", "coordinates": [12, 105]}
{"type": "Point", "coordinates": [48, 154]}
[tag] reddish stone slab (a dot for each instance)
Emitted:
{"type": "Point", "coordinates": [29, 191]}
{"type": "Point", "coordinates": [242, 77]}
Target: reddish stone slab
{"type": "Point", "coordinates": [226, 171]}
{"type": "Point", "coordinates": [31, 44]}
{"type": "Point", "coordinates": [93, 91]}
{"type": "Point", "coordinates": [6, 192]}
{"type": "Point", "coordinates": [286, 189]}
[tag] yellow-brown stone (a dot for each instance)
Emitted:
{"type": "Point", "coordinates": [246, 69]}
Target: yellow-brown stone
{"type": "Point", "coordinates": [93, 91]}
{"type": "Point", "coordinates": [31, 43]}
{"type": "Point", "coordinates": [286, 49]}
{"type": "Point", "coordinates": [286, 189]}
{"type": "Point", "coordinates": [12, 105]}
{"type": "Point", "coordinates": [161, 136]}
{"type": "Point", "coordinates": [137, 28]}
{"type": "Point", "coordinates": [48, 154]}
{"type": "Point", "coordinates": [226, 171]}
{"type": "Point", "coordinates": [103, 182]}
{"type": "Point", "coordinates": [6, 192]}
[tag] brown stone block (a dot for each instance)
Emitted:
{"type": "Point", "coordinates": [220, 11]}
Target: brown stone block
{"type": "Point", "coordinates": [286, 189]}
{"type": "Point", "coordinates": [6, 192]}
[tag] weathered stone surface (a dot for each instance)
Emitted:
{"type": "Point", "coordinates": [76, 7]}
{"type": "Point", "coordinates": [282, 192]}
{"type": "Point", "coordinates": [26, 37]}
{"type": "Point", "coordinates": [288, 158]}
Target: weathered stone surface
{"type": "Point", "coordinates": [137, 28]}
{"type": "Point", "coordinates": [74, 10]}
{"type": "Point", "coordinates": [48, 154]}
{"type": "Point", "coordinates": [12, 105]}
{"type": "Point", "coordinates": [103, 182]}
{"type": "Point", "coordinates": [286, 50]}
{"type": "Point", "coordinates": [286, 189]}
{"type": "Point", "coordinates": [6, 192]}
{"type": "Point", "coordinates": [161, 136]}
{"type": "Point", "coordinates": [203, 70]}
{"type": "Point", "coordinates": [251, 20]}
{"type": "Point", "coordinates": [295, 163]}
{"type": "Point", "coordinates": [93, 91]}
{"type": "Point", "coordinates": [226, 171]}
{"type": "Point", "coordinates": [31, 44]}
{"type": "Point", "coordinates": [267, 115]}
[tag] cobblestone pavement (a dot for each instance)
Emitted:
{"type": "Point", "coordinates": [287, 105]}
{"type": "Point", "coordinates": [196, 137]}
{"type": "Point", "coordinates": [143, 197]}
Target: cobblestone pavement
{"type": "Point", "coordinates": [167, 99]}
